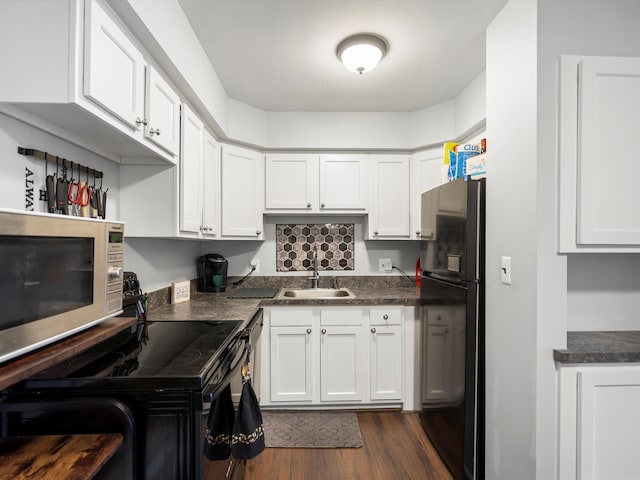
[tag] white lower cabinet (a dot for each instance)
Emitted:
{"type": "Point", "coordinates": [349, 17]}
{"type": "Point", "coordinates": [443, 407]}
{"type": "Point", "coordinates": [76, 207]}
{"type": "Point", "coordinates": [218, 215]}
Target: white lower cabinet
{"type": "Point", "coordinates": [342, 355]}
{"type": "Point", "coordinates": [292, 364]}
{"type": "Point", "coordinates": [599, 422]}
{"type": "Point", "coordinates": [332, 356]}
{"type": "Point", "coordinates": [385, 343]}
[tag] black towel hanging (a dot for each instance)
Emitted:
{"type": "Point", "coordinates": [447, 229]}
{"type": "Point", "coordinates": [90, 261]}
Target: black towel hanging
{"type": "Point", "coordinates": [217, 445]}
{"type": "Point", "coordinates": [247, 440]}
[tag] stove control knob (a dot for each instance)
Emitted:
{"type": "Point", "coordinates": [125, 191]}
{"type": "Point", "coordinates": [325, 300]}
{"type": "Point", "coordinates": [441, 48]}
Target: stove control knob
{"type": "Point", "coordinates": [115, 272]}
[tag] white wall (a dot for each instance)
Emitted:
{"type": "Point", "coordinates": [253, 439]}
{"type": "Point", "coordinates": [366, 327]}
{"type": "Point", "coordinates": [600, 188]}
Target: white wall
{"type": "Point", "coordinates": [603, 292]}
{"type": "Point", "coordinates": [14, 133]}
{"type": "Point", "coordinates": [471, 105]}
{"type": "Point", "coordinates": [403, 254]}
{"type": "Point", "coordinates": [357, 130]}
{"type": "Point", "coordinates": [158, 262]}
{"type": "Point", "coordinates": [511, 231]}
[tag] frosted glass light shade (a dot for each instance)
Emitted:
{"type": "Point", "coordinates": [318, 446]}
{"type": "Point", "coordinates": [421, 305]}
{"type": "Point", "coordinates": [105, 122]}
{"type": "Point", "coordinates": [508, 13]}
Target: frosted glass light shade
{"type": "Point", "coordinates": [361, 53]}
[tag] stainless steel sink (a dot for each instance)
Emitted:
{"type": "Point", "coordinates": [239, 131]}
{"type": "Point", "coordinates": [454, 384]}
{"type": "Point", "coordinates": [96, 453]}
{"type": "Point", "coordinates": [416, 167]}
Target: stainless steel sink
{"type": "Point", "coordinates": [314, 293]}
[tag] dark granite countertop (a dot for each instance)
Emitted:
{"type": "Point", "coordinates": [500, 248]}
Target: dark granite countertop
{"type": "Point", "coordinates": [217, 306]}
{"type": "Point", "coordinates": [600, 347]}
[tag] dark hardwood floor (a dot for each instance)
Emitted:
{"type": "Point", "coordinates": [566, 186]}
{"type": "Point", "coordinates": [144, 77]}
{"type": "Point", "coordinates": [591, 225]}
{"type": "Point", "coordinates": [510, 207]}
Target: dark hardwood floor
{"type": "Point", "coordinates": [395, 447]}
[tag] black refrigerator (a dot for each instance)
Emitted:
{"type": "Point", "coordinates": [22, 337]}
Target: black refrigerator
{"type": "Point", "coordinates": [453, 324]}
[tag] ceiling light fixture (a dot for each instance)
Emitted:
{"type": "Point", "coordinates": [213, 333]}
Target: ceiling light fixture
{"type": "Point", "coordinates": [361, 53]}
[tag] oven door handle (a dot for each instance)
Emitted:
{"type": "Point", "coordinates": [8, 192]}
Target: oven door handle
{"type": "Point", "coordinates": [212, 391]}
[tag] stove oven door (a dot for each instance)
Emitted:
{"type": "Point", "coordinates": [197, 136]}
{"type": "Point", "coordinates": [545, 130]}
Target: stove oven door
{"type": "Point", "coordinates": [249, 339]}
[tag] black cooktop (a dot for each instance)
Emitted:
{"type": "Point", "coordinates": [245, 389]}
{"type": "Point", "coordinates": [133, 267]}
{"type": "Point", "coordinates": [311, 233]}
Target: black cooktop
{"type": "Point", "coordinates": [166, 350]}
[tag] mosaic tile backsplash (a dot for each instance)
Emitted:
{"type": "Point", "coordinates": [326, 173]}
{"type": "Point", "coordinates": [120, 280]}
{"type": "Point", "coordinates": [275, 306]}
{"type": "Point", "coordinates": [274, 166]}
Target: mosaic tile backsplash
{"type": "Point", "coordinates": [334, 242]}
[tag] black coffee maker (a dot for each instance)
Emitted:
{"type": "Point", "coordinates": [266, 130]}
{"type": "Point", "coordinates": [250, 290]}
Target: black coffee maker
{"type": "Point", "coordinates": [212, 273]}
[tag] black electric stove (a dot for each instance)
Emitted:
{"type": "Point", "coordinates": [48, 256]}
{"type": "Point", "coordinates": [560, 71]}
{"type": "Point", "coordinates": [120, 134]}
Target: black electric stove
{"type": "Point", "coordinates": [181, 354]}
{"type": "Point", "coordinates": [166, 373]}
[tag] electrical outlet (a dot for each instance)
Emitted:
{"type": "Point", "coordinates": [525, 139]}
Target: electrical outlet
{"type": "Point", "coordinates": [256, 264]}
{"type": "Point", "coordinates": [385, 265]}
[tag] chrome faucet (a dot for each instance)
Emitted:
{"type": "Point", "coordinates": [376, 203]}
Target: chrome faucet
{"type": "Point", "coordinates": [315, 278]}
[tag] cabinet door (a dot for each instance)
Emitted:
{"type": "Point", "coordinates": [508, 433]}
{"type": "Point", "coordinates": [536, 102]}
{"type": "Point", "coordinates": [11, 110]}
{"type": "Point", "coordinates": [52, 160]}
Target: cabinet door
{"type": "Point", "coordinates": [162, 113]}
{"type": "Point", "coordinates": [291, 358]}
{"type": "Point", "coordinates": [191, 172]}
{"type": "Point", "coordinates": [608, 166]}
{"type": "Point", "coordinates": [291, 182]}
{"type": "Point", "coordinates": [343, 182]}
{"type": "Point", "coordinates": [426, 168]}
{"type": "Point", "coordinates": [242, 193]}
{"type": "Point", "coordinates": [210, 186]}
{"type": "Point", "coordinates": [342, 356]}
{"type": "Point", "coordinates": [385, 346]}
{"type": "Point", "coordinates": [389, 204]}
{"type": "Point", "coordinates": [608, 423]}
{"type": "Point", "coordinates": [113, 67]}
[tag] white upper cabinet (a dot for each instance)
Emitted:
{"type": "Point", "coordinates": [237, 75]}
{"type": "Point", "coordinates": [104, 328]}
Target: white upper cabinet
{"type": "Point", "coordinates": [389, 216]}
{"type": "Point", "coordinates": [426, 168]}
{"type": "Point", "coordinates": [80, 74]}
{"type": "Point", "coordinates": [343, 182]}
{"type": "Point", "coordinates": [162, 113]}
{"type": "Point", "coordinates": [210, 188]}
{"type": "Point", "coordinates": [242, 184]}
{"type": "Point", "coordinates": [291, 182]}
{"type": "Point", "coordinates": [598, 167]}
{"type": "Point", "coordinates": [191, 178]}
{"type": "Point", "coordinates": [113, 68]}
{"type": "Point", "coordinates": [308, 183]}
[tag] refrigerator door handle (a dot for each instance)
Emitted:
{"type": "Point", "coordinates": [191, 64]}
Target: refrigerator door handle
{"type": "Point", "coordinates": [444, 278]}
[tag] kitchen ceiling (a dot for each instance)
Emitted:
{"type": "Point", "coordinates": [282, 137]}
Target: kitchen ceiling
{"type": "Point", "coordinates": [279, 55]}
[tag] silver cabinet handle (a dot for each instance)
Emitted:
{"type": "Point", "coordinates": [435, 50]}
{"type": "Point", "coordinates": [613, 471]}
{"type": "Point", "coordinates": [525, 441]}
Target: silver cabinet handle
{"type": "Point", "coordinates": [322, 205]}
{"type": "Point", "coordinates": [154, 131]}
{"type": "Point", "coordinates": [373, 330]}
{"type": "Point", "coordinates": [385, 316]}
{"type": "Point", "coordinates": [308, 330]}
{"type": "Point", "coordinates": [139, 121]}
{"type": "Point", "coordinates": [258, 232]}
{"type": "Point", "coordinates": [324, 330]}
{"type": "Point", "coordinates": [375, 232]}
{"type": "Point", "coordinates": [308, 204]}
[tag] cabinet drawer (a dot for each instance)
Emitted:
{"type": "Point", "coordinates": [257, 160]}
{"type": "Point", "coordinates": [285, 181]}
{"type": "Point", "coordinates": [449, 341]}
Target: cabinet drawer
{"type": "Point", "coordinates": [291, 317]}
{"type": "Point", "coordinates": [341, 316]}
{"type": "Point", "coordinates": [436, 316]}
{"type": "Point", "coordinates": [386, 316]}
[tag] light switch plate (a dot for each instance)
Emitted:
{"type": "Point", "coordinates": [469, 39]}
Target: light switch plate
{"type": "Point", "coordinates": [505, 270]}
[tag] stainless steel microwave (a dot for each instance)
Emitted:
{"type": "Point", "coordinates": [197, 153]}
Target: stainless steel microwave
{"type": "Point", "coordinates": [59, 275]}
